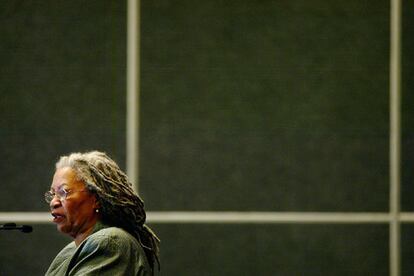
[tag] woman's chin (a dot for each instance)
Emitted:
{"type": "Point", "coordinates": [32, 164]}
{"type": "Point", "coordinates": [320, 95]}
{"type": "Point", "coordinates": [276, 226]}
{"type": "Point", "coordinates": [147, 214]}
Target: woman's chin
{"type": "Point", "coordinates": [62, 228]}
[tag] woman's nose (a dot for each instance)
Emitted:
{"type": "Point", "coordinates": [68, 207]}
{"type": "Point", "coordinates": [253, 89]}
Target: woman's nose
{"type": "Point", "coordinates": [55, 202]}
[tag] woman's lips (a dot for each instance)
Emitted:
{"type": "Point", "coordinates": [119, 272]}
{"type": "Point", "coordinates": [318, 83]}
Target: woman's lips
{"type": "Point", "coordinates": [57, 217]}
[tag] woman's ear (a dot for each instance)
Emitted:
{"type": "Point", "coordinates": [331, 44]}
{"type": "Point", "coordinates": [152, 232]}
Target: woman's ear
{"type": "Point", "coordinates": [97, 204]}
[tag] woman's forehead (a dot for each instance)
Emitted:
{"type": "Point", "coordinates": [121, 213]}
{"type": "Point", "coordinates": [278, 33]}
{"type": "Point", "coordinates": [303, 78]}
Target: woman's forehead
{"type": "Point", "coordinates": [65, 176]}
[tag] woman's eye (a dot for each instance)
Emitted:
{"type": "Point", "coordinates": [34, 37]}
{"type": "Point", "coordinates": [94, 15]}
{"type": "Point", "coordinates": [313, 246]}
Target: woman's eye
{"type": "Point", "coordinates": [62, 192]}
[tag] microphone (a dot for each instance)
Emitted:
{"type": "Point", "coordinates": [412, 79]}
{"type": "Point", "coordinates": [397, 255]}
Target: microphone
{"type": "Point", "coordinates": [13, 226]}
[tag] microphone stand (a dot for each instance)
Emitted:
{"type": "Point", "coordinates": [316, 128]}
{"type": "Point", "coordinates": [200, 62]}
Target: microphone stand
{"type": "Point", "coordinates": [13, 226]}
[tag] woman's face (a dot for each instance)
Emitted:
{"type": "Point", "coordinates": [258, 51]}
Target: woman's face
{"type": "Point", "coordinates": [76, 214]}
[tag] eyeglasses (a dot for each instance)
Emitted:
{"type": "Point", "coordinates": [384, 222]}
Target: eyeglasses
{"type": "Point", "coordinates": [61, 194]}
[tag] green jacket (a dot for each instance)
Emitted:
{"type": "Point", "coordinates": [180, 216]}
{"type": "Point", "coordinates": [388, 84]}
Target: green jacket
{"type": "Point", "coordinates": [107, 251]}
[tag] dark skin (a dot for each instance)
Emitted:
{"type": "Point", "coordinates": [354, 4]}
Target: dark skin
{"type": "Point", "coordinates": [76, 214]}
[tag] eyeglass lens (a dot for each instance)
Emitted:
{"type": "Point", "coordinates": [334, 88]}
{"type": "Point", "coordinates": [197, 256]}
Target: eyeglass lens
{"type": "Point", "coordinates": [60, 193]}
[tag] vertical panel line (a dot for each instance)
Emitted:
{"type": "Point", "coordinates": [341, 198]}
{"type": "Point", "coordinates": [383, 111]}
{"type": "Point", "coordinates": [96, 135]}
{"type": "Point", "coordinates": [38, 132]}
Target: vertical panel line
{"type": "Point", "coordinates": [132, 104]}
{"type": "Point", "coordinates": [395, 136]}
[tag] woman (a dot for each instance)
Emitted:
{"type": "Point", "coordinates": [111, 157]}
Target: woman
{"type": "Point", "coordinates": [92, 200]}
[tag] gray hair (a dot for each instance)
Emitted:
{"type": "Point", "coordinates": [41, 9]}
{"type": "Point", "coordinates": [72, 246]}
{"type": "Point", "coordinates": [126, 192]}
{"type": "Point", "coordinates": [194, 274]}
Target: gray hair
{"type": "Point", "coordinates": [119, 205]}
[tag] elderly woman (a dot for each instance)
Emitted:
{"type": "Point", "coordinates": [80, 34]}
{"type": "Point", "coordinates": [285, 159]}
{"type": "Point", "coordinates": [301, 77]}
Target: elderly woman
{"type": "Point", "coordinates": [92, 200]}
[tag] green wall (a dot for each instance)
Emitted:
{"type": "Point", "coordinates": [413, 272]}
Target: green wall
{"type": "Point", "coordinates": [265, 105]}
{"type": "Point", "coordinates": [62, 90]}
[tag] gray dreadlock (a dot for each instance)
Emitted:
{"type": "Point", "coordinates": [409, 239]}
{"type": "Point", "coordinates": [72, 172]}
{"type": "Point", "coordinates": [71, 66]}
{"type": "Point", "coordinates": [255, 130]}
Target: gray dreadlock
{"type": "Point", "coordinates": [120, 205]}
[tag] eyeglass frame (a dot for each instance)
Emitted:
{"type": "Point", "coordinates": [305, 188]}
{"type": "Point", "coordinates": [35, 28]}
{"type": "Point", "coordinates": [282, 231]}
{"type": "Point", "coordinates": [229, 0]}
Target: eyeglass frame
{"type": "Point", "coordinates": [61, 194]}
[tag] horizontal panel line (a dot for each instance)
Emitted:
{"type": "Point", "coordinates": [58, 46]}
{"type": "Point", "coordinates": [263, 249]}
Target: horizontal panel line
{"type": "Point", "coordinates": [267, 217]}
{"type": "Point", "coordinates": [234, 217]}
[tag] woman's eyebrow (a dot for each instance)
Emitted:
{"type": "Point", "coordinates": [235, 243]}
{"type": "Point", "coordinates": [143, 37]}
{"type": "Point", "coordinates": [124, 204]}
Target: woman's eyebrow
{"type": "Point", "coordinates": [59, 187]}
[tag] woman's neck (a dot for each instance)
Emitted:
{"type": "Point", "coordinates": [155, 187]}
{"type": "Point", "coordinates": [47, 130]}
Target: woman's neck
{"type": "Point", "coordinates": [81, 236]}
